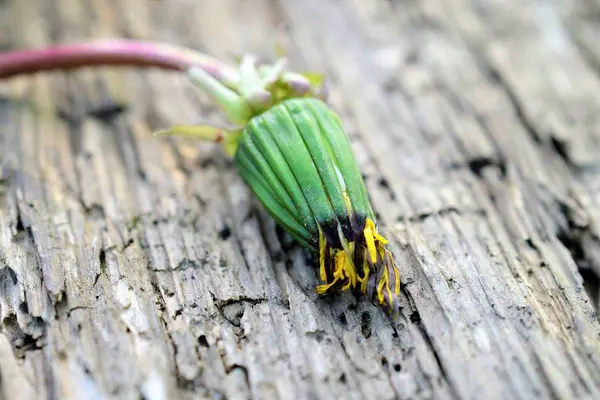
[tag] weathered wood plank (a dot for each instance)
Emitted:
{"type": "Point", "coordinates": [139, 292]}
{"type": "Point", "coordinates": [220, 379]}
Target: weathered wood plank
{"type": "Point", "coordinates": [133, 267]}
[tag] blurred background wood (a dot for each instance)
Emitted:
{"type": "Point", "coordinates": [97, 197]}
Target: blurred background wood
{"type": "Point", "coordinates": [132, 267]}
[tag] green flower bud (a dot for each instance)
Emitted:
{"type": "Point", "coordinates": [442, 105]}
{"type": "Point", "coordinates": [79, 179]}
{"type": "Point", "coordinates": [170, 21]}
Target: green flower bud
{"type": "Point", "coordinates": [297, 160]}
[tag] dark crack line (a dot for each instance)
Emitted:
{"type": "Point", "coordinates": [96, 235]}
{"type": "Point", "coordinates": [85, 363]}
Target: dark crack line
{"type": "Point", "coordinates": [236, 300]}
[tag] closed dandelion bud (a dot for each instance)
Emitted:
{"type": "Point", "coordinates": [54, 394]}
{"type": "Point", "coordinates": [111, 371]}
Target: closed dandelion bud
{"type": "Point", "coordinates": [296, 158]}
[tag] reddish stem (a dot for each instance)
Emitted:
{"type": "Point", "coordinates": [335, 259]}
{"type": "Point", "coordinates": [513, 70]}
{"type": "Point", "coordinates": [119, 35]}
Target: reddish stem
{"type": "Point", "coordinates": [123, 52]}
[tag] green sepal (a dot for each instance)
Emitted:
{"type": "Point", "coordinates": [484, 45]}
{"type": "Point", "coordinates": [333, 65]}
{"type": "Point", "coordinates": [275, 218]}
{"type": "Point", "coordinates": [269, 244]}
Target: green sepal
{"type": "Point", "coordinates": [280, 124]}
{"type": "Point", "coordinates": [333, 132]}
{"type": "Point", "coordinates": [262, 167]}
{"type": "Point", "coordinates": [310, 128]}
{"type": "Point", "coordinates": [259, 137]}
{"type": "Point", "coordinates": [271, 201]}
{"type": "Point", "coordinates": [228, 138]}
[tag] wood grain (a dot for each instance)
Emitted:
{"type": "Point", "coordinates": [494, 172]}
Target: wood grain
{"type": "Point", "coordinates": [132, 267]}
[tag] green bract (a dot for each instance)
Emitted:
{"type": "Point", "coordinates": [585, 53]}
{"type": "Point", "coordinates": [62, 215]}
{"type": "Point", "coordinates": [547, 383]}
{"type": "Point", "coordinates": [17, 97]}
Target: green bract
{"type": "Point", "coordinates": [291, 150]}
{"type": "Point", "coordinates": [286, 155]}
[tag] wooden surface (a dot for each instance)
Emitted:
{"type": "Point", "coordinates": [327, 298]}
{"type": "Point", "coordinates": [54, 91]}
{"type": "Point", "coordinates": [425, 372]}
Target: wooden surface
{"type": "Point", "coordinates": [138, 268]}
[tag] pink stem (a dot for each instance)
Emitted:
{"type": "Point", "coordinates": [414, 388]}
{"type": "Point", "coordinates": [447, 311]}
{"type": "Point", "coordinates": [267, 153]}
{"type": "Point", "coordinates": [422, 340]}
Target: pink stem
{"type": "Point", "coordinates": [123, 52]}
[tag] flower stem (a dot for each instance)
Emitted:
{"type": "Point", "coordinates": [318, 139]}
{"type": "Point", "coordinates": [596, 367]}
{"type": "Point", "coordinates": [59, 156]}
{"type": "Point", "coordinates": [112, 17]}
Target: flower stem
{"type": "Point", "coordinates": [124, 52]}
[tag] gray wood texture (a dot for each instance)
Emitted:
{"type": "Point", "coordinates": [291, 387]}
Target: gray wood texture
{"type": "Point", "coordinates": [139, 268]}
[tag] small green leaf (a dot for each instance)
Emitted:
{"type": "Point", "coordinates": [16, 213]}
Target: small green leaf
{"type": "Point", "coordinates": [194, 132]}
{"type": "Point", "coordinates": [228, 138]}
